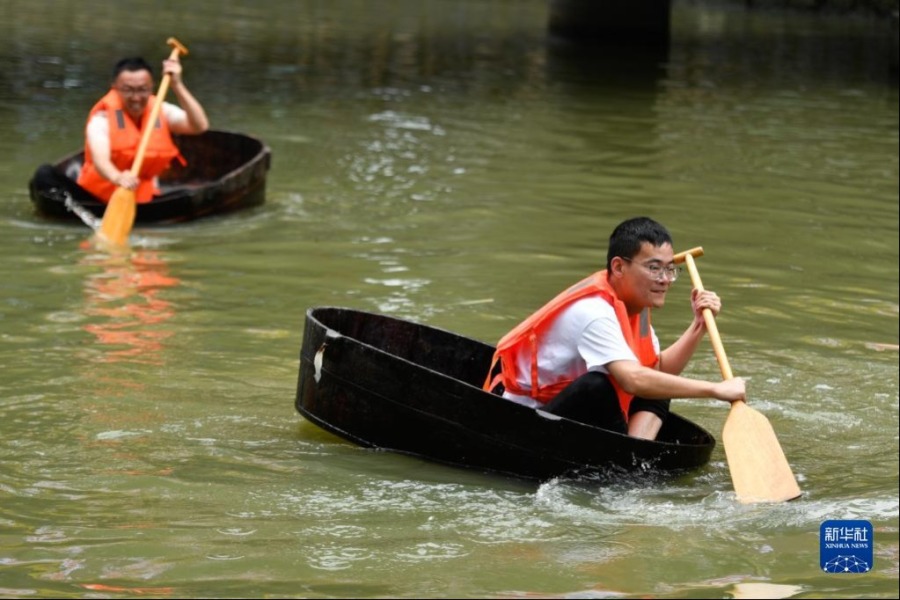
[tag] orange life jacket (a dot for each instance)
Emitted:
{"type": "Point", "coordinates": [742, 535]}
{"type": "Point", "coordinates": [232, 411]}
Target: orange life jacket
{"type": "Point", "coordinates": [529, 333]}
{"type": "Point", "coordinates": [124, 139]}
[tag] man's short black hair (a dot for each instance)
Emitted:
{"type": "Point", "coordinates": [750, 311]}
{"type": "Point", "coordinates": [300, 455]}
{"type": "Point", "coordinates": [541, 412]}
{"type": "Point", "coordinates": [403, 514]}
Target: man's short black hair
{"type": "Point", "coordinates": [626, 239]}
{"type": "Point", "coordinates": [132, 63]}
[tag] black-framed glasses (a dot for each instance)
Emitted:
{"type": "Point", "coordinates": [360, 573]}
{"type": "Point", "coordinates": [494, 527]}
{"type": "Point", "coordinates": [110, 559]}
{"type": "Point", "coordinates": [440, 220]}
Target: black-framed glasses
{"type": "Point", "coordinates": [134, 91]}
{"type": "Point", "coordinates": [659, 272]}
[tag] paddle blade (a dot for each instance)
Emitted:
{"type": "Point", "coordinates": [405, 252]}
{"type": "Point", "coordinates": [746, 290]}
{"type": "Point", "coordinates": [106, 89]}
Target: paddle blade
{"type": "Point", "coordinates": [759, 470]}
{"type": "Point", "coordinates": [118, 217]}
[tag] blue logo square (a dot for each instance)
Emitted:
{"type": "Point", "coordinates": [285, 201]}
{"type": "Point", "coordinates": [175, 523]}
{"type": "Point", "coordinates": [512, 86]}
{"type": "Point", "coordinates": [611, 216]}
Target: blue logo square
{"type": "Point", "coordinates": [846, 546]}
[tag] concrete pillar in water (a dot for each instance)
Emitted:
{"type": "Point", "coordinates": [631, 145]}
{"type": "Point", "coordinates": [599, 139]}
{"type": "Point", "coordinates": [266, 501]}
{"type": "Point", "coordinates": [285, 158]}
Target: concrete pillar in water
{"type": "Point", "coordinates": [637, 22]}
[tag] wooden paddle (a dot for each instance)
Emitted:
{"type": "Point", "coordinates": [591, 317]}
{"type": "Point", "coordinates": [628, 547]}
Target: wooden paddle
{"type": "Point", "coordinates": [759, 470]}
{"type": "Point", "coordinates": [118, 218]}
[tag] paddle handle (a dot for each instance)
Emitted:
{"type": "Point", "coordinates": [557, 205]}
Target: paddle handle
{"type": "Point", "coordinates": [688, 258]}
{"type": "Point", "coordinates": [759, 470]}
{"type": "Point", "coordinates": [177, 48]}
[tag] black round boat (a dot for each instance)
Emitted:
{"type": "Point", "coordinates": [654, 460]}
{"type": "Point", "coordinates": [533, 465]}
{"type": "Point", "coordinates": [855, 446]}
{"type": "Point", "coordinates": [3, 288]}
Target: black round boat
{"type": "Point", "coordinates": [225, 172]}
{"type": "Point", "coordinates": [389, 383]}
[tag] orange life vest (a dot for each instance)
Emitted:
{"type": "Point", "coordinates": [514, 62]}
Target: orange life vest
{"type": "Point", "coordinates": [124, 139]}
{"type": "Point", "coordinates": [529, 333]}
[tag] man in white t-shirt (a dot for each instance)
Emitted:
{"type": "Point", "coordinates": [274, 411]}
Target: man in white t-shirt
{"type": "Point", "coordinates": [110, 149]}
{"type": "Point", "coordinates": [117, 125]}
{"type": "Point", "coordinates": [598, 358]}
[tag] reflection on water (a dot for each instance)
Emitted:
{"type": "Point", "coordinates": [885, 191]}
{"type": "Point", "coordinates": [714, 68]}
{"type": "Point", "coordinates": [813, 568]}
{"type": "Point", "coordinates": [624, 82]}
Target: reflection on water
{"type": "Point", "coordinates": [128, 317]}
{"type": "Point", "coordinates": [126, 310]}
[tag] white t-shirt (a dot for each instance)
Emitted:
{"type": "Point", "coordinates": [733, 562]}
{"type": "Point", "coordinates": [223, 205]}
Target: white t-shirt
{"type": "Point", "coordinates": [586, 336]}
{"type": "Point", "coordinates": [98, 125]}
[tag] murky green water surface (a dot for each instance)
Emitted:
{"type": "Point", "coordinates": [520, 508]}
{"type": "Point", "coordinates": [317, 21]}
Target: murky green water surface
{"type": "Point", "coordinates": [448, 163]}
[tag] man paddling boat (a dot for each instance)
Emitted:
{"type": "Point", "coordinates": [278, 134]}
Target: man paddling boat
{"type": "Point", "coordinates": [113, 132]}
{"type": "Point", "coordinates": [591, 354]}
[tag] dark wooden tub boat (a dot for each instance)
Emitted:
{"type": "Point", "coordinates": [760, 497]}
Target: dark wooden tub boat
{"type": "Point", "coordinates": [388, 383]}
{"type": "Point", "coordinates": [225, 172]}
